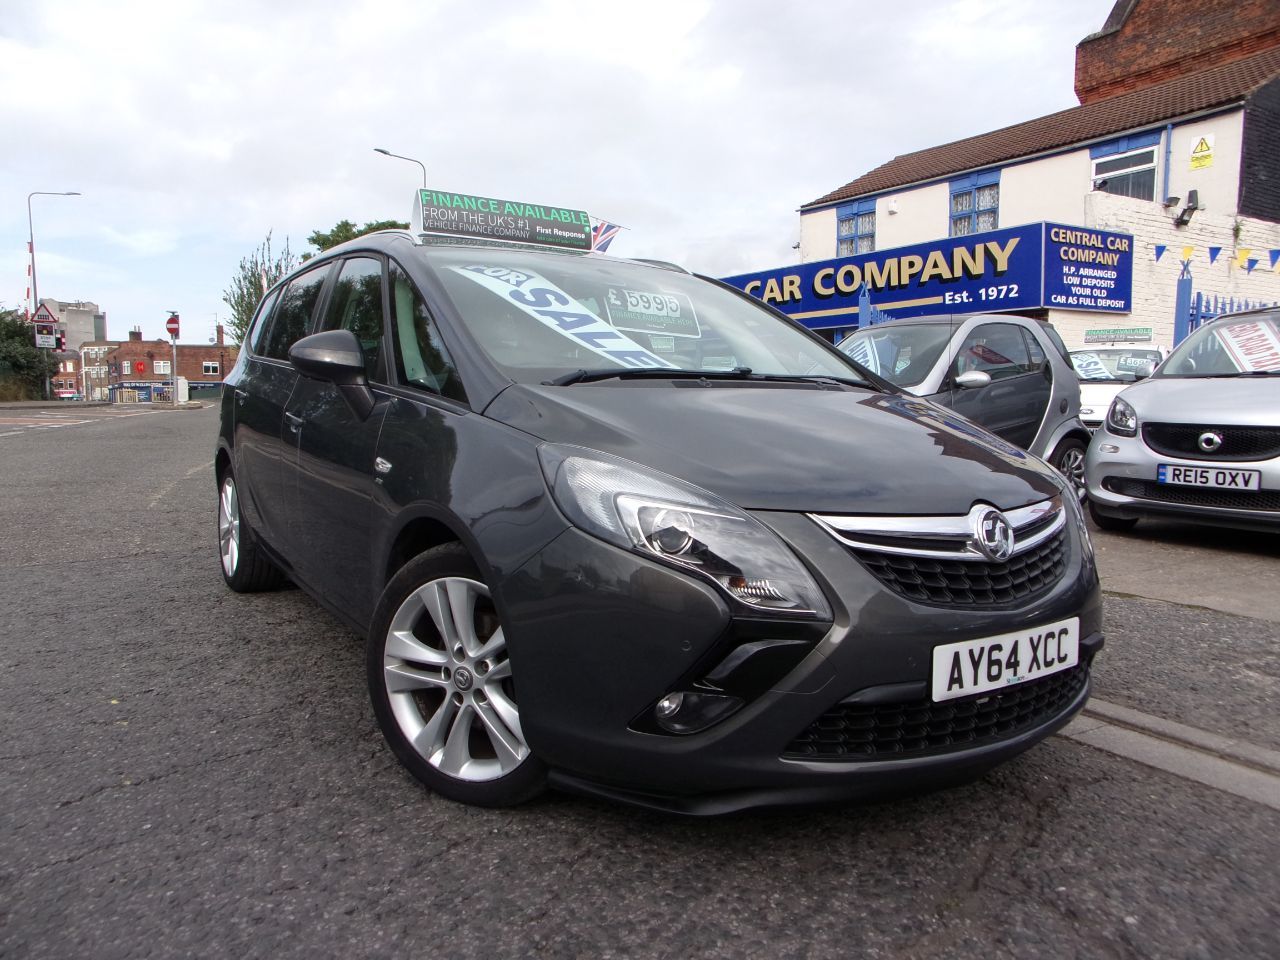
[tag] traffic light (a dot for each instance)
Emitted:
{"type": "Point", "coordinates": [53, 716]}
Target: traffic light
{"type": "Point", "coordinates": [61, 340]}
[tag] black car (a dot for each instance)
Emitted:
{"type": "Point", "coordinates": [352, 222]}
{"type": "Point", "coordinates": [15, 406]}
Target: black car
{"type": "Point", "coordinates": [592, 519]}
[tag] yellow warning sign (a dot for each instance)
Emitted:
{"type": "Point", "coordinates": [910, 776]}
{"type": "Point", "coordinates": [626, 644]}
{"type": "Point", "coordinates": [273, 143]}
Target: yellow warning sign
{"type": "Point", "coordinates": [1202, 152]}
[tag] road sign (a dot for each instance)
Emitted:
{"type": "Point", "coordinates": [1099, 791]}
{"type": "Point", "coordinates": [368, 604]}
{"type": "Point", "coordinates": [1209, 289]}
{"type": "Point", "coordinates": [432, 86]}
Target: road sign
{"type": "Point", "coordinates": [172, 325]}
{"type": "Point", "coordinates": [46, 336]}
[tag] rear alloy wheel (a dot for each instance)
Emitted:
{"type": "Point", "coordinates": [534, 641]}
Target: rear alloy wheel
{"type": "Point", "coordinates": [441, 683]}
{"type": "Point", "coordinates": [244, 567]}
{"type": "Point", "coordinates": [1068, 460]}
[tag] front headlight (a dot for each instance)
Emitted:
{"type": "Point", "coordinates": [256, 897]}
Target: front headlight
{"type": "Point", "coordinates": [1122, 420]}
{"type": "Point", "coordinates": [677, 523]}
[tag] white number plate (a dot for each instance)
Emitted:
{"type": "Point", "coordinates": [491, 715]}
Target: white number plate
{"type": "Point", "coordinates": [1210, 476]}
{"type": "Point", "coordinates": [991, 663]}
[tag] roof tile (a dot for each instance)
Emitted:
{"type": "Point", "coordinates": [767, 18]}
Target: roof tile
{"type": "Point", "coordinates": [1216, 86]}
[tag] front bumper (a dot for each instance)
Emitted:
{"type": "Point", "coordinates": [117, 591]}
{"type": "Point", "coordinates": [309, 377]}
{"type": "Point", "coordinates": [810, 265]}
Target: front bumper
{"type": "Point", "coordinates": [1121, 477]}
{"type": "Point", "coordinates": [597, 635]}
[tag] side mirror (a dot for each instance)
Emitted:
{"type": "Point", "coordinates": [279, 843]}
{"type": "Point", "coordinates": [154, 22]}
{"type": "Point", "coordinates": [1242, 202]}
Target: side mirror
{"type": "Point", "coordinates": [1144, 370]}
{"type": "Point", "coordinates": [335, 356]}
{"type": "Point", "coordinates": [973, 378]}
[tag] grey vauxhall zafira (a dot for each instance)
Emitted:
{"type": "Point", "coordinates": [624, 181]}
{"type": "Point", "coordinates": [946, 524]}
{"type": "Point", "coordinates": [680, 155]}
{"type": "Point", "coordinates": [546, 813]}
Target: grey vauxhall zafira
{"type": "Point", "coordinates": [597, 525]}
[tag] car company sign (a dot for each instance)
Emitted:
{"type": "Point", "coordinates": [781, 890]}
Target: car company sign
{"type": "Point", "coordinates": [1018, 268]}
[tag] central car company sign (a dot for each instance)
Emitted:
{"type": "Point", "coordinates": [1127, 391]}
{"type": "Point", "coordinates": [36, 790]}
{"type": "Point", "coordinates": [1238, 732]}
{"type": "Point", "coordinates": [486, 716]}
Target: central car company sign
{"type": "Point", "coordinates": [1019, 268]}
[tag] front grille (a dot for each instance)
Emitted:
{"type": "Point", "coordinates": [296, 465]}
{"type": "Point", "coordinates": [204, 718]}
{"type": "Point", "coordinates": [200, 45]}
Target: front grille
{"type": "Point", "coordinates": [969, 583]}
{"type": "Point", "coordinates": [921, 727]}
{"type": "Point", "coordinates": [1194, 496]}
{"type": "Point", "coordinates": [1238, 443]}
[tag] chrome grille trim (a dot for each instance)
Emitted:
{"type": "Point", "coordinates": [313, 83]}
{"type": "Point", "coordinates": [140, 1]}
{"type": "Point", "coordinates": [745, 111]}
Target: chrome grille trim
{"type": "Point", "coordinates": [944, 537]}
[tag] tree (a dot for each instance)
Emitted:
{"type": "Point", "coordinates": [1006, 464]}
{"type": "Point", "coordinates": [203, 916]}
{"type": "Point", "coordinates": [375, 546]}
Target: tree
{"type": "Point", "coordinates": [345, 230]}
{"type": "Point", "coordinates": [257, 274]}
{"type": "Point", "coordinates": [23, 366]}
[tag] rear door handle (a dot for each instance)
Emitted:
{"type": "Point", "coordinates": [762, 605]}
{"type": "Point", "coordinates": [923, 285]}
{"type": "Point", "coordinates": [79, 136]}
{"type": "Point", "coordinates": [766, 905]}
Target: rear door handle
{"type": "Point", "coordinates": [295, 422]}
{"type": "Point", "coordinates": [241, 396]}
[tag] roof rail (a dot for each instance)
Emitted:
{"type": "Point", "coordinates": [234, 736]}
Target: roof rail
{"type": "Point", "coordinates": [664, 264]}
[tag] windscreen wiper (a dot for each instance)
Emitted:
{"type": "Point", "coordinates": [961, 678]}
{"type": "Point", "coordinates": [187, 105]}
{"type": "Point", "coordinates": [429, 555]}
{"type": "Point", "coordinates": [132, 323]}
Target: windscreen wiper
{"type": "Point", "coordinates": [673, 373]}
{"type": "Point", "coordinates": [635, 373]}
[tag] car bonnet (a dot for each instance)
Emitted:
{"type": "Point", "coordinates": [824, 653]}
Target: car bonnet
{"type": "Point", "coordinates": [788, 447]}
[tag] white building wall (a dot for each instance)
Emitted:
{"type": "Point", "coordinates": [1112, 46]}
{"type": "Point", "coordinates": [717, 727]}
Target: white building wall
{"type": "Point", "coordinates": [1219, 183]}
{"type": "Point", "coordinates": [1051, 188]}
{"type": "Point", "coordinates": [1155, 283]}
{"type": "Point", "coordinates": [921, 215]}
{"type": "Point", "coordinates": [818, 235]}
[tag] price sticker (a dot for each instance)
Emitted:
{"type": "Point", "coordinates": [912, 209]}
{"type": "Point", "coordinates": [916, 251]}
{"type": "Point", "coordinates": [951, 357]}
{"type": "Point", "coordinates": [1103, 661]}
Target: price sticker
{"type": "Point", "coordinates": [646, 311]}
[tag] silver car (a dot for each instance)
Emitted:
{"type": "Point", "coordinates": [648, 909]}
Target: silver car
{"type": "Point", "coordinates": [1009, 374]}
{"type": "Point", "coordinates": [1200, 439]}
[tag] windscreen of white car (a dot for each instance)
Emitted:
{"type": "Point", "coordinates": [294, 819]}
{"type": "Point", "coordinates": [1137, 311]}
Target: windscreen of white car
{"type": "Point", "coordinates": [903, 353]}
{"type": "Point", "coordinates": [1231, 347]}
{"type": "Point", "coordinates": [1112, 364]}
{"type": "Point", "coordinates": [542, 316]}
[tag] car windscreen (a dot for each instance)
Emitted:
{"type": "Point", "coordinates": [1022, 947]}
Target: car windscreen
{"type": "Point", "coordinates": [541, 316]}
{"type": "Point", "coordinates": [1231, 347]}
{"type": "Point", "coordinates": [903, 353]}
{"type": "Point", "coordinates": [1115, 364]}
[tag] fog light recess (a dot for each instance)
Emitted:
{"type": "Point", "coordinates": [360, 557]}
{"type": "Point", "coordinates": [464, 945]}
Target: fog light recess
{"type": "Point", "coordinates": [686, 711]}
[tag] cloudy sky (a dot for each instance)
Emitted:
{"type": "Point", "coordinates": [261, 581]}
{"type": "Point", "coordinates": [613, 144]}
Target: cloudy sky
{"type": "Point", "coordinates": [192, 129]}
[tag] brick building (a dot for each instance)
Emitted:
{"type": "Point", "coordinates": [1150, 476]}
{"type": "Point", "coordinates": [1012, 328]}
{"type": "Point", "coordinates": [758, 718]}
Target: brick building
{"type": "Point", "coordinates": [1169, 163]}
{"type": "Point", "coordinates": [140, 371]}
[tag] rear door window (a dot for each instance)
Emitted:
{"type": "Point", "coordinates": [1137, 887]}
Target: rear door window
{"type": "Point", "coordinates": [292, 317]}
{"type": "Point", "coordinates": [262, 319]}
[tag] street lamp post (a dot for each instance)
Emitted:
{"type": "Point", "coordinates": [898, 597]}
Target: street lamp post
{"type": "Point", "coordinates": [388, 153]}
{"type": "Point", "coordinates": [31, 249]}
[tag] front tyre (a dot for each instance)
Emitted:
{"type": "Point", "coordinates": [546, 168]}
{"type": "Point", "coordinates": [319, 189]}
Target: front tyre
{"type": "Point", "coordinates": [441, 683]}
{"type": "Point", "coordinates": [1114, 524]}
{"type": "Point", "coordinates": [1068, 459]}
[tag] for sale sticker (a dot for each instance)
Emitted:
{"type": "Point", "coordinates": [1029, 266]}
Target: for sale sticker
{"type": "Point", "coordinates": [548, 304]}
{"type": "Point", "coordinates": [1252, 344]}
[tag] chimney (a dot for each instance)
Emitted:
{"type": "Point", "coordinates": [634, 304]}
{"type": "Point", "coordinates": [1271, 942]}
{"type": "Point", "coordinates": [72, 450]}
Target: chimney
{"type": "Point", "coordinates": [135, 333]}
{"type": "Point", "coordinates": [220, 335]}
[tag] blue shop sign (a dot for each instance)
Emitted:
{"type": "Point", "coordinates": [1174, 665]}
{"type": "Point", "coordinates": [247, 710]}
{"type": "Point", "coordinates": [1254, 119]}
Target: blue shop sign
{"type": "Point", "coordinates": [1019, 268]}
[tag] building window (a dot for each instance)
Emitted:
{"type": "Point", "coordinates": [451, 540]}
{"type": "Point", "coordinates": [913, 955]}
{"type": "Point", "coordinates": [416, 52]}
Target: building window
{"type": "Point", "coordinates": [1127, 166]}
{"type": "Point", "coordinates": [856, 228]}
{"type": "Point", "coordinates": [1128, 175]}
{"type": "Point", "coordinates": [160, 367]}
{"type": "Point", "coordinates": [211, 368]}
{"type": "Point", "coordinates": [975, 203]}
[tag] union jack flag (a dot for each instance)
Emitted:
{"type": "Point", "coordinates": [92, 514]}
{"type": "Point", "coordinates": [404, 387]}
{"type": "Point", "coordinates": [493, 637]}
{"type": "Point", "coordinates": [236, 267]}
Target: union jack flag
{"type": "Point", "coordinates": [602, 234]}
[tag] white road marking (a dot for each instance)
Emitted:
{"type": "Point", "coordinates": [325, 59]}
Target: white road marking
{"type": "Point", "coordinates": [1232, 766]}
{"type": "Point", "coordinates": [168, 487]}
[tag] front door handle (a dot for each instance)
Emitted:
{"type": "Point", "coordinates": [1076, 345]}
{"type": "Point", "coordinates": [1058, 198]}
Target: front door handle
{"type": "Point", "coordinates": [241, 396]}
{"type": "Point", "coordinates": [295, 422]}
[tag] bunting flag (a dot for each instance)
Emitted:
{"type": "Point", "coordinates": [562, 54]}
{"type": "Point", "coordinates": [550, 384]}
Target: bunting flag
{"type": "Point", "coordinates": [1160, 249]}
{"type": "Point", "coordinates": [1250, 264]}
{"type": "Point", "coordinates": [1187, 251]}
{"type": "Point", "coordinates": [1242, 255]}
{"type": "Point", "coordinates": [1214, 253]}
{"type": "Point", "coordinates": [1275, 257]}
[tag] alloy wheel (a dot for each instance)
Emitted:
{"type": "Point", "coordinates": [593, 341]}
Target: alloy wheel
{"type": "Point", "coordinates": [229, 526]}
{"type": "Point", "coordinates": [1071, 466]}
{"type": "Point", "coordinates": [448, 680]}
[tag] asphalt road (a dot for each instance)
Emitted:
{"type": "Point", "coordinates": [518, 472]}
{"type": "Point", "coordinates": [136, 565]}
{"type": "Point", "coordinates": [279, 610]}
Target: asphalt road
{"type": "Point", "coordinates": [188, 772]}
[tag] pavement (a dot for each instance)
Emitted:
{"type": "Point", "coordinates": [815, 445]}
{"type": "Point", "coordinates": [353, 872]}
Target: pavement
{"type": "Point", "coordinates": [188, 772]}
